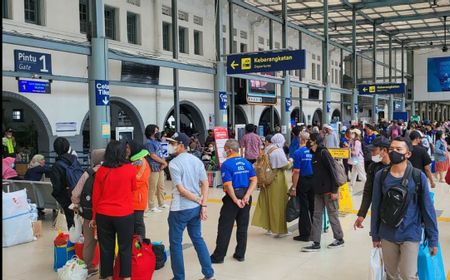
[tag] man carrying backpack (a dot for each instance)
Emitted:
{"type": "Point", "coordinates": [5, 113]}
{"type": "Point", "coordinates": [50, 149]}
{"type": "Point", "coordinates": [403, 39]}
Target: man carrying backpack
{"type": "Point", "coordinates": [82, 197]}
{"type": "Point", "coordinates": [401, 203]}
{"type": "Point", "coordinates": [65, 173]}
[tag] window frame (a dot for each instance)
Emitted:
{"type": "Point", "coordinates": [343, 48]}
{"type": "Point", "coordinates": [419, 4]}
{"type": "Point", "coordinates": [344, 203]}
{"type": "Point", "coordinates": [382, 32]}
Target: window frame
{"type": "Point", "coordinates": [82, 22]}
{"type": "Point", "coordinates": [183, 45]}
{"type": "Point", "coordinates": [114, 23]}
{"type": "Point", "coordinates": [167, 25]}
{"type": "Point", "coordinates": [20, 119]}
{"type": "Point", "coordinates": [136, 20]}
{"type": "Point", "coordinates": [198, 50]}
{"type": "Point", "coordinates": [37, 10]}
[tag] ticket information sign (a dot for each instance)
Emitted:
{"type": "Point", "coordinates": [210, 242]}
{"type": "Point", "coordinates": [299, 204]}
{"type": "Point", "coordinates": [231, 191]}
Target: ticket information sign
{"type": "Point", "coordinates": [221, 136]}
{"type": "Point", "coordinates": [339, 153]}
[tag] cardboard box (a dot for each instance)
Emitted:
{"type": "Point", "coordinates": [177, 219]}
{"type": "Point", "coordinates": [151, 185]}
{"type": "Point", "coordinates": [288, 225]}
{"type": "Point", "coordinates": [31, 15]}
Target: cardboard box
{"type": "Point", "coordinates": [37, 228]}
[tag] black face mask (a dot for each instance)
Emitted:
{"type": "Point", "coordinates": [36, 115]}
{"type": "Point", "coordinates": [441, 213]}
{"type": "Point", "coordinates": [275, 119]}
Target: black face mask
{"type": "Point", "coordinates": [396, 157]}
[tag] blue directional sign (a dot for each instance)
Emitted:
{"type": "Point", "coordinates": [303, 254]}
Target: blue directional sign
{"type": "Point", "coordinates": [101, 93]}
{"type": "Point", "coordinates": [34, 86]}
{"type": "Point", "coordinates": [371, 89]}
{"type": "Point", "coordinates": [355, 107]}
{"type": "Point", "coordinates": [266, 62]}
{"type": "Point", "coordinates": [33, 62]}
{"type": "Point", "coordinates": [288, 104]}
{"type": "Point", "coordinates": [328, 106]}
{"type": "Point", "coordinates": [398, 106]}
{"type": "Point", "coordinates": [223, 100]}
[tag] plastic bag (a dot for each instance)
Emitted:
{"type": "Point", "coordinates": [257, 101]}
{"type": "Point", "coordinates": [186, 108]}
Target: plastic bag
{"type": "Point", "coordinates": [376, 265]}
{"type": "Point", "coordinates": [75, 231]}
{"type": "Point", "coordinates": [292, 209]}
{"type": "Point", "coordinates": [74, 269]}
{"type": "Point", "coordinates": [60, 222]}
{"type": "Point", "coordinates": [428, 267]}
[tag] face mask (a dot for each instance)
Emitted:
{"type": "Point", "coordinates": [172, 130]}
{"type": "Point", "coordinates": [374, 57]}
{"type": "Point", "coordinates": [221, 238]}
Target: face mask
{"type": "Point", "coordinates": [377, 158]}
{"type": "Point", "coordinates": [396, 157]}
{"type": "Point", "coordinates": [211, 149]}
{"type": "Point", "coordinates": [172, 150]}
{"type": "Point", "coordinates": [225, 154]}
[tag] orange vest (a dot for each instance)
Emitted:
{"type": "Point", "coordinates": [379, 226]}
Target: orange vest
{"type": "Point", "coordinates": [140, 195]}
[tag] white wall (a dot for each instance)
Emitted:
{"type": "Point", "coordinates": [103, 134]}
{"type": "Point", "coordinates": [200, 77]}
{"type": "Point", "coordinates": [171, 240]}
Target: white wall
{"type": "Point", "coordinates": [420, 76]}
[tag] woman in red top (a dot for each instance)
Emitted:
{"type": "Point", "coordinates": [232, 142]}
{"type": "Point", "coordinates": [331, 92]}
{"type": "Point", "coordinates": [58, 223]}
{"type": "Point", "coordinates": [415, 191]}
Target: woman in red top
{"type": "Point", "coordinates": [112, 208]}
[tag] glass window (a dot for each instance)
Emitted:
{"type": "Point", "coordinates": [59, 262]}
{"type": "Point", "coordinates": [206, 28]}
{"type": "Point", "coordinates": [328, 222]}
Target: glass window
{"type": "Point", "coordinates": [5, 9]}
{"type": "Point", "coordinates": [17, 115]}
{"type": "Point", "coordinates": [243, 48]}
{"type": "Point", "coordinates": [84, 16]}
{"type": "Point", "coordinates": [32, 10]}
{"type": "Point", "coordinates": [332, 76]}
{"type": "Point", "coordinates": [167, 36]}
{"type": "Point", "coordinates": [110, 23]}
{"type": "Point", "coordinates": [132, 28]}
{"type": "Point", "coordinates": [198, 42]}
{"type": "Point", "coordinates": [318, 72]}
{"type": "Point", "coordinates": [313, 71]}
{"type": "Point", "coordinates": [234, 47]}
{"type": "Point", "coordinates": [183, 39]}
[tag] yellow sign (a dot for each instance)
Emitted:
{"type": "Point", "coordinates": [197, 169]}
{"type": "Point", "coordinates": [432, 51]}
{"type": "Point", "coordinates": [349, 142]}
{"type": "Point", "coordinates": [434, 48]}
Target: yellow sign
{"type": "Point", "coordinates": [372, 89]}
{"type": "Point", "coordinates": [246, 63]}
{"type": "Point", "coordinates": [106, 130]}
{"type": "Point", "coordinates": [345, 198]}
{"type": "Point", "coordinates": [339, 152]}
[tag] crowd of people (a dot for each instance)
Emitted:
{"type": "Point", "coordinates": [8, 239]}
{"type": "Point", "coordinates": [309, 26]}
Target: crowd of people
{"type": "Point", "coordinates": [126, 183]}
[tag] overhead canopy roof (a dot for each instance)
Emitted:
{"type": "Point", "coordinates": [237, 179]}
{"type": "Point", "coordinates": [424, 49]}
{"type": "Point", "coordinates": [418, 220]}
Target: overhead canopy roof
{"type": "Point", "coordinates": [416, 23]}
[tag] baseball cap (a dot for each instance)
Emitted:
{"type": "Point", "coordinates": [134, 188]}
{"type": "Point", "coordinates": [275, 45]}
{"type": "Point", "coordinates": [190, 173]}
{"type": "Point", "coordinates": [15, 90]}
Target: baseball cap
{"type": "Point", "coordinates": [415, 134]}
{"type": "Point", "coordinates": [180, 138]}
{"type": "Point", "coordinates": [380, 142]}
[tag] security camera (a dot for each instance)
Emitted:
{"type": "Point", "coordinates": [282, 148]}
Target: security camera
{"type": "Point", "coordinates": [444, 48]}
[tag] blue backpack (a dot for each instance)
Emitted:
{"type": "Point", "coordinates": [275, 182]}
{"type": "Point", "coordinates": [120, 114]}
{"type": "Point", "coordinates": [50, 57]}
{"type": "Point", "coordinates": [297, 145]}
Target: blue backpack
{"type": "Point", "coordinates": [73, 172]}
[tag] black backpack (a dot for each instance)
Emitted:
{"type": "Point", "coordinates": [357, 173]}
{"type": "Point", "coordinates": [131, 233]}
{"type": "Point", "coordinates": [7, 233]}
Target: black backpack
{"type": "Point", "coordinates": [394, 203]}
{"type": "Point", "coordinates": [73, 172]}
{"type": "Point", "coordinates": [160, 254]}
{"type": "Point", "coordinates": [86, 196]}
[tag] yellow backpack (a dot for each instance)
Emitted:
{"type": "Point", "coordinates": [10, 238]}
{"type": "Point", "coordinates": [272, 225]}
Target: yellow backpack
{"type": "Point", "coordinates": [263, 169]}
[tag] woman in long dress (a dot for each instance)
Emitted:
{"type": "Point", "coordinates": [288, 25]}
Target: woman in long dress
{"type": "Point", "coordinates": [441, 155]}
{"type": "Point", "coordinates": [270, 212]}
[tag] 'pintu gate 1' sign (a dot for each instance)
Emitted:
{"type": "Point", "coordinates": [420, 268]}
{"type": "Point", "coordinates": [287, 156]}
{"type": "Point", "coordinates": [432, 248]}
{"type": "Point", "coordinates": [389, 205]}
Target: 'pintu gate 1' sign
{"type": "Point", "coordinates": [265, 62]}
{"type": "Point", "coordinates": [33, 62]}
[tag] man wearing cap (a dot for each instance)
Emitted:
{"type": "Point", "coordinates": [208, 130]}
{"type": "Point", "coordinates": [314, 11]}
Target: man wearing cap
{"type": "Point", "coordinates": [330, 140]}
{"type": "Point", "coordinates": [239, 181]}
{"type": "Point", "coordinates": [9, 144]}
{"type": "Point", "coordinates": [369, 137]}
{"type": "Point", "coordinates": [419, 156]}
{"type": "Point", "coordinates": [380, 159]}
{"type": "Point", "coordinates": [188, 207]}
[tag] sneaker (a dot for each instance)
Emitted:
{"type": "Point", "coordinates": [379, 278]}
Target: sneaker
{"type": "Point", "coordinates": [92, 272]}
{"type": "Point", "coordinates": [281, 235]}
{"type": "Point", "coordinates": [315, 247]}
{"type": "Point", "coordinates": [164, 206]}
{"type": "Point", "coordinates": [301, 238]}
{"type": "Point", "coordinates": [269, 232]}
{"type": "Point", "coordinates": [156, 210]}
{"type": "Point", "coordinates": [336, 244]}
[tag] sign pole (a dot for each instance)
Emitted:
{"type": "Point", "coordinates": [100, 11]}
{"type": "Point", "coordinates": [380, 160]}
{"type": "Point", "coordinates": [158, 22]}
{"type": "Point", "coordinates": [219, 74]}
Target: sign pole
{"type": "Point", "coordinates": [326, 95]}
{"type": "Point", "coordinates": [220, 92]}
{"type": "Point", "coordinates": [286, 88]}
{"type": "Point", "coordinates": [374, 73]}
{"type": "Point", "coordinates": [99, 115]}
{"type": "Point", "coordinates": [355, 109]}
{"type": "Point", "coordinates": [391, 97]}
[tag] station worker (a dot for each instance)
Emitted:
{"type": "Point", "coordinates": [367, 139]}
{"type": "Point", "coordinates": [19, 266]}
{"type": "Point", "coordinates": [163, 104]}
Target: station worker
{"type": "Point", "coordinates": [239, 181]}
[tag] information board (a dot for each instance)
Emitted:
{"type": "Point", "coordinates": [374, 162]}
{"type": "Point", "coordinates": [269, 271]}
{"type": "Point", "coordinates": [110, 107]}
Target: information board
{"type": "Point", "coordinates": [221, 137]}
{"type": "Point", "coordinates": [33, 62]}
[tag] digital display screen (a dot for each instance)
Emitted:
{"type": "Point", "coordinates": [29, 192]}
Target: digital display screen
{"type": "Point", "coordinates": [261, 91]}
{"type": "Point", "coordinates": [139, 73]}
{"type": "Point", "coordinates": [438, 74]}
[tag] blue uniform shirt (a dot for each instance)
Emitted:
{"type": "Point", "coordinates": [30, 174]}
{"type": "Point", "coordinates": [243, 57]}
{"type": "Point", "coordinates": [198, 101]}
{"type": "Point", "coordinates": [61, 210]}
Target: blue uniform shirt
{"type": "Point", "coordinates": [237, 171]}
{"type": "Point", "coordinates": [369, 139]}
{"type": "Point", "coordinates": [303, 161]}
{"type": "Point", "coordinates": [295, 144]}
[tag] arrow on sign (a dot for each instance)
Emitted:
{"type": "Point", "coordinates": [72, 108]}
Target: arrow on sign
{"type": "Point", "coordinates": [24, 87]}
{"type": "Point", "coordinates": [105, 100]}
{"type": "Point", "coordinates": [234, 65]}
{"type": "Point", "coordinates": [364, 89]}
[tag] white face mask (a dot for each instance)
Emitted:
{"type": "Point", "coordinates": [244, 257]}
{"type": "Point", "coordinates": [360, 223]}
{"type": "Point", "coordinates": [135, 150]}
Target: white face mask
{"type": "Point", "coordinates": [377, 158]}
{"type": "Point", "coordinates": [172, 150]}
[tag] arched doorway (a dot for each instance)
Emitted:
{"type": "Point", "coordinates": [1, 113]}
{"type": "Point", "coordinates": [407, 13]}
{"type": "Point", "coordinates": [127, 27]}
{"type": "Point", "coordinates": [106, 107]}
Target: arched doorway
{"type": "Point", "coordinates": [123, 114]}
{"type": "Point", "coordinates": [336, 116]}
{"type": "Point", "coordinates": [317, 117]}
{"type": "Point", "coordinates": [32, 130]}
{"type": "Point", "coordinates": [191, 121]}
{"type": "Point", "coordinates": [296, 117]}
{"type": "Point", "coordinates": [240, 116]}
{"type": "Point", "coordinates": [264, 120]}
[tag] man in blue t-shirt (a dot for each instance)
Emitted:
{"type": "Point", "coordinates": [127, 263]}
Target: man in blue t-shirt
{"type": "Point", "coordinates": [239, 181]}
{"type": "Point", "coordinates": [157, 164]}
{"type": "Point", "coordinates": [302, 187]}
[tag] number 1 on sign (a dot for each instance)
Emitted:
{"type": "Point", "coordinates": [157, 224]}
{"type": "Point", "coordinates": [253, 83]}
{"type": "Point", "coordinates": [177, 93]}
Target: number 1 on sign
{"type": "Point", "coordinates": [44, 64]}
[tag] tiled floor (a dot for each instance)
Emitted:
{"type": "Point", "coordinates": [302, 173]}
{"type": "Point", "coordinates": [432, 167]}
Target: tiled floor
{"type": "Point", "coordinates": [267, 257]}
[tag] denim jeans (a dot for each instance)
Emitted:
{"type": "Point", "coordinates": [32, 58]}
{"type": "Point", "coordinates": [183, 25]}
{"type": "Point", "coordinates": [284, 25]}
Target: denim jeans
{"type": "Point", "coordinates": [178, 221]}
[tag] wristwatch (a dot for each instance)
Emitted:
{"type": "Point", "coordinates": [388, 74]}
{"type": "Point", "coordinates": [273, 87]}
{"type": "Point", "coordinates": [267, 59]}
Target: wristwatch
{"type": "Point", "coordinates": [205, 206]}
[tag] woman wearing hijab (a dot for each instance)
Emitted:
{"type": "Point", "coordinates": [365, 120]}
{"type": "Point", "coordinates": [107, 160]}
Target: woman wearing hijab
{"type": "Point", "coordinates": [270, 212]}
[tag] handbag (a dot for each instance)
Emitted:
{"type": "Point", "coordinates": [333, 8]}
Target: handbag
{"type": "Point", "coordinates": [74, 269]}
{"type": "Point", "coordinates": [76, 230]}
{"type": "Point", "coordinates": [63, 250]}
{"type": "Point", "coordinates": [292, 209]}
{"type": "Point", "coordinates": [60, 223]}
{"type": "Point", "coordinates": [430, 267]}
{"type": "Point", "coordinates": [376, 265]}
{"type": "Point", "coordinates": [143, 260]}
